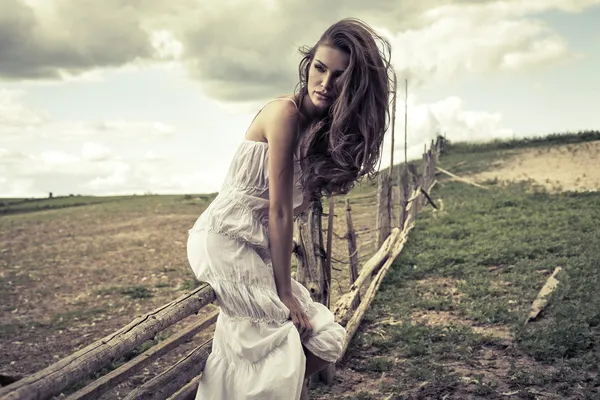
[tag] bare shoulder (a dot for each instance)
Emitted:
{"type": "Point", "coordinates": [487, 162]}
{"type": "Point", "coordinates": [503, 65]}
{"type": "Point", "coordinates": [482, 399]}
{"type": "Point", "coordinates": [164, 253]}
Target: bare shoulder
{"type": "Point", "coordinates": [279, 121]}
{"type": "Point", "coordinates": [276, 118]}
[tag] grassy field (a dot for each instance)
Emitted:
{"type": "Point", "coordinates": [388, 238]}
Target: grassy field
{"type": "Point", "coordinates": [21, 205]}
{"type": "Point", "coordinates": [448, 322]}
{"type": "Point", "coordinates": [555, 139]}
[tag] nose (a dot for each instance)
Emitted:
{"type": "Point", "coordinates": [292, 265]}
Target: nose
{"type": "Point", "coordinates": [326, 83]}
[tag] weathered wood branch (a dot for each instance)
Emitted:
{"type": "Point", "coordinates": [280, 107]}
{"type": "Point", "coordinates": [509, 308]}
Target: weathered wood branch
{"type": "Point", "coordinates": [188, 392]}
{"type": "Point", "coordinates": [52, 380]}
{"type": "Point", "coordinates": [459, 178]}
{"type": "Point", "coordinates": [544, 295]}
{"type": "Point", "coordinates": [173, 378]}
{"type": "Point", "coordinates": [345, 305]}
{"type": "Point", "coordinates": [429, 200]}
{"type": "Point", "coordinates": [108, 381]}
{"type": "Point", "coordinates": [354, 322]}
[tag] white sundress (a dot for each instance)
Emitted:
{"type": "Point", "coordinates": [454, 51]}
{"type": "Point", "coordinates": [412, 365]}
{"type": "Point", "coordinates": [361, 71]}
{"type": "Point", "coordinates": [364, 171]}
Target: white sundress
{"type": "Point", "coordinates": [257, 351]}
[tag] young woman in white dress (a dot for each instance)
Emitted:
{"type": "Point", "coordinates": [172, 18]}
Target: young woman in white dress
{"type": "Point", "coordinates": [270, 336]}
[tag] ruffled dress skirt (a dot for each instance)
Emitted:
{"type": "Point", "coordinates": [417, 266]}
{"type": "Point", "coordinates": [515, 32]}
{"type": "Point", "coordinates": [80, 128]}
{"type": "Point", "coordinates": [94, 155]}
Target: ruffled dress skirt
{"type": "Point", "coordinates": [257, 352]}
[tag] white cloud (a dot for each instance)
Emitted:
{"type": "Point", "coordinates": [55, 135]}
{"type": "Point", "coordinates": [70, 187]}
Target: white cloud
{"type": "Point", "coordinates": [455, 40]}
{"type": "Point", "coordinates": [18, 188]}
{"type": "Point", "coordinates": [166, 45]}
{"type": "Point", "coordinates": [13, 112]}
{"type": "Point", "coordinates": [20, 121]}
{"type": "Point", "coordinates": [133, 128]}
{"type": "Point", "coordinates": [58, 158]}
{"type": "Point", "coordinates": [459, 124]}
{"type": "Point", "coordinates": [446, 117]}
{"type": "Point", "coordinates": [38, 154]}
{"type": "Point", "coordinates": [8, 156]}
{"type": "Point", "coordinates": [536, 6]}
{"type": "Point", "coordinates": [95, 152]}
{"type": "Point", "coordinates": [116, 180]}
{"type": "Point", "coordinates": [150, 156]}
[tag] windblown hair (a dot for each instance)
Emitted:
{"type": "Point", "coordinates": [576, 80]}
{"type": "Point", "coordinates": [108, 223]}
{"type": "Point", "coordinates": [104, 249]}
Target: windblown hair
{"type": "Point", "coordinates": [346, 143]}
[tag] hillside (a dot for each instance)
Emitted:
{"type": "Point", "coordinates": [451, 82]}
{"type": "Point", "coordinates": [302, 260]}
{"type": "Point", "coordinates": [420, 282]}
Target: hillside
{"type": "Point", "coordinates": [448, 321]}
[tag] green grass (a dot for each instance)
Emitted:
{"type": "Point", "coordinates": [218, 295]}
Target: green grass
{"type": "Point", "coordinates": [109, 203]}
{"type": "Point", "coordinates": [496, 247]}
{"type": "Point", "coordinates": [10, 206]}
{"type": "Point", "coordinates": [190, 284]}
{"type": "Point", "coordinates": [65, 319]}
{"type": "Point", "coordinates": [518, 143]}
{"type": "Point", "coordinates": [132, 291]}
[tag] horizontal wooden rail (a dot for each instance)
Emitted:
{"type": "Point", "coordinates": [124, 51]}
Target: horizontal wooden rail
{"type": "Point", "coordinates": [53, 379]}
{"type": "Point", "coordinates": [110, 380]}
{"type": "Point", "coordinates": [175, 377]}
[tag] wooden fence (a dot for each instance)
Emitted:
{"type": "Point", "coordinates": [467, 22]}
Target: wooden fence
{"type": "Point", "coordinates": [404, 193]}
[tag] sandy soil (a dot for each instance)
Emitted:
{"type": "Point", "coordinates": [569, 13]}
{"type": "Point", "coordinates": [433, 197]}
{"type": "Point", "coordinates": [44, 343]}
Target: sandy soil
{"type": "Point", "coordinates": [558, 168]}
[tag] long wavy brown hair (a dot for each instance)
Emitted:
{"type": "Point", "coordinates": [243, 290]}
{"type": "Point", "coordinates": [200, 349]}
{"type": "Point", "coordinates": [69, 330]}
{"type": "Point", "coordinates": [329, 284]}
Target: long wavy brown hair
{"type": "Point", "coordinates": [346, 143]}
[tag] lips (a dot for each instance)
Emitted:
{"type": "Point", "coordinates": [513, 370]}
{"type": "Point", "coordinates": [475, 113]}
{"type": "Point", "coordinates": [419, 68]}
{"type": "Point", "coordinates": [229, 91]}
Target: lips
{"type": "Point", "coordinates": [322, 96]}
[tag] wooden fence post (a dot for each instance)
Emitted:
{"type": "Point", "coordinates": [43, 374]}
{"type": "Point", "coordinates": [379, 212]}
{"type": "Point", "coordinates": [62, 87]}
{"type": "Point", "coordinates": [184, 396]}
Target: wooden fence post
{"type": "Point", "coordinates": [431, 166]}
{"type": "Point", "coordinates": [382, 225]}
{"type": "Point", "coordinates": [327, 265]}
{"type": "Point", "coordinates": [310, 254]}
{"type": "Point", "coordinates": [427, 171]}
{"type": "Point", "coordinates": [404, 191]}
{"type": "Point", "coordinates": [352, 249]}
{"type": "Point", "coordinates": [413, 175]}
{"type": "Point", "coordinates": [312, 265]}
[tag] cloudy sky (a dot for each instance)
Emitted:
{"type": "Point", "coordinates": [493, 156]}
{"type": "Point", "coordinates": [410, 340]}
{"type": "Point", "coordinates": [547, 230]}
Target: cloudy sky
{"type": "Point", "coordinates": [134, 96]}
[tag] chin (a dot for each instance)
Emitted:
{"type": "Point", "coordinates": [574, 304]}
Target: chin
{"type": "Point", "coordinates": [319, 102]}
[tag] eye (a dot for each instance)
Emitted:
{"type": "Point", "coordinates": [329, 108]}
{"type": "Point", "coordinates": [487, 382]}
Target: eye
{"type": "Point", "coordinates": [319, 68]}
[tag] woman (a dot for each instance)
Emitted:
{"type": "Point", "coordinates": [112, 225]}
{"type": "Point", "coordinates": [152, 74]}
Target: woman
{"type": "Point", "coordinates": [270, 336]}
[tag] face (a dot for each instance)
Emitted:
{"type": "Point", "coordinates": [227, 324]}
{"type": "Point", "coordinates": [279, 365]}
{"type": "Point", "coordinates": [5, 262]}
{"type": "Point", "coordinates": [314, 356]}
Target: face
{"type": "Point", "coordinates": [328, 65]}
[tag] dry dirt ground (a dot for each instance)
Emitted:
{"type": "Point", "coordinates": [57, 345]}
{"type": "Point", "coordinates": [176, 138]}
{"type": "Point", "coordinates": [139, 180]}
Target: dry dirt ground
{"type": "Point", "coordinates": [71, 276]}
{"type": "Point", "coordinates": [558, 168]}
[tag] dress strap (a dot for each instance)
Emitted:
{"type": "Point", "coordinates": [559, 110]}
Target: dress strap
{"type": "Point", "coordinates": [270, 101]}
{"type": "Point", "coordinates": [281, 98]}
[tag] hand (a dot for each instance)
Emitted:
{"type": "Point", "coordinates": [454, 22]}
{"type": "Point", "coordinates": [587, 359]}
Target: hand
{"type": "Point", "coordinates": [298, 317]}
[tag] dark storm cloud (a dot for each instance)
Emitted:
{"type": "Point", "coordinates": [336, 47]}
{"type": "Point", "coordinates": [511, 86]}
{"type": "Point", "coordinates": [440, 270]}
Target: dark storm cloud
{"type": "Point", "coordinates": [84, 35]}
